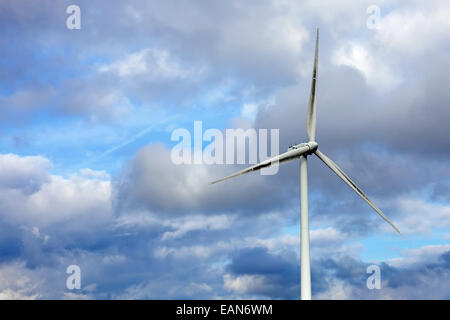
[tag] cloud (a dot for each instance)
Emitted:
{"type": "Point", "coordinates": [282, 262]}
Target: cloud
{"type": "Point", "coordinates": [95, 174]}
{"type": "Point", "coordinates": [176, 59]}
{"type": "Point", "coordinates": [68, 220]}
{"type": "Point", "coordinates": [153, 182]}
{"type": "Point", "coordinates": [198, 223]}
{"type": "Point", "coordinates": [31, 196]}
{"type": "Point", "coordinates": [23, 173]}
{"type": "Point", "coordinates": [245, 284]}
{"type": "Point", "coordinates": [261, 273]}
{"type": "Point", "coordinates": [376, 73]}
{"type": "Point", "coordinates": [17, 108]}
{"type": "Point", "coordinates": [414, 210]}
{"type": "Point", "coordinates": [414, 30]}
{"type": "Point", "coordinates": [16, 283]}
{"type": "Point", "coordinates": [157, 64]}
{"type": "Point", "coordinates": [340, 277]}
{"type": "Point", "coordinates": [424, 255]}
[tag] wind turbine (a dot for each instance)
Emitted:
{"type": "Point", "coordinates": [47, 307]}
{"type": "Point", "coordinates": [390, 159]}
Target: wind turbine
{"type": "Point", "coordinates": [302, 151]}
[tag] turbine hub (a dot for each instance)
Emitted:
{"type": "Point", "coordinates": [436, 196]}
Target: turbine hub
{"type": "Point", "coordinates": [312, 146]}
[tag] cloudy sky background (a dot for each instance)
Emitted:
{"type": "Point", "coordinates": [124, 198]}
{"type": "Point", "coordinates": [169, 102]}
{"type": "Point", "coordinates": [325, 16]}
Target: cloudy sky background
{"type": "Point", "coordinates": [85, 123]}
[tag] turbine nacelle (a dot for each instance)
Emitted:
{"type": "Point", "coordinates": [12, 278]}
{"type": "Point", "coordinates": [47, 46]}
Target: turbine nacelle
{"type": "Point", "coordinates": [312, 145]}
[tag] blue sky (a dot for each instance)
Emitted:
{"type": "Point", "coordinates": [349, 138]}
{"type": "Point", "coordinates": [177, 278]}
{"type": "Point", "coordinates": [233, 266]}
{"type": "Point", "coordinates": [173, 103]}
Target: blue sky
{"type": "Point", "coordinates": [86, 118]}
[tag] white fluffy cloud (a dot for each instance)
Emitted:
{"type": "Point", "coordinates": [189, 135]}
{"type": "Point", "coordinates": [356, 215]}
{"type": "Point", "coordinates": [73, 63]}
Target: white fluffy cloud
{"type": "Point", "coordinates": [17, 283]}
{"type": "Point", "coordinates": [244, 284]}
{"type": "Point", "coordinates": [419, 256]}
{"type": "Point", "coordinates": [156, 64]}
{"type": "Point", "coordinates": [375, 71]}
{"type": "Point", "coordinates": [23, 173]}
{"type": "Point", "coordinates": [415, 29]}
{"type": "Point", "coordinates": [32, 196]}
{"type": "Point", "coordinates": [420, 216]}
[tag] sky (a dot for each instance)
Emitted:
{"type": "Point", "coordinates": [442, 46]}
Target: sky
{"type": "Point", "coordinates": [86, 177]}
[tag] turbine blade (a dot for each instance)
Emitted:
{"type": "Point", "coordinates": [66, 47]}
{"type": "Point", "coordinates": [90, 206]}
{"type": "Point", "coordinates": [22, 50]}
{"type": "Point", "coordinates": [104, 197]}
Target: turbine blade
{"type": "Point", "coordinates": [311, 115]}
{"type": "Point", "coordinates": [284, 157]}
{"type": "Point", "coordinates": [341, 174]}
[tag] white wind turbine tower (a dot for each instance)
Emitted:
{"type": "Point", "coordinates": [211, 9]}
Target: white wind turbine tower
{"type": "Point", "coordinates": [302, 151]}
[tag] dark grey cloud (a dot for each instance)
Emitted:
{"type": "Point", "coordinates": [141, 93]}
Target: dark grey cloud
{"type": "Point", "coordinates": [342, 277]}
{"type": "Point", "coordinates": [155, 183]}
{"type": "Point", "coordinates": [281, 276]}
